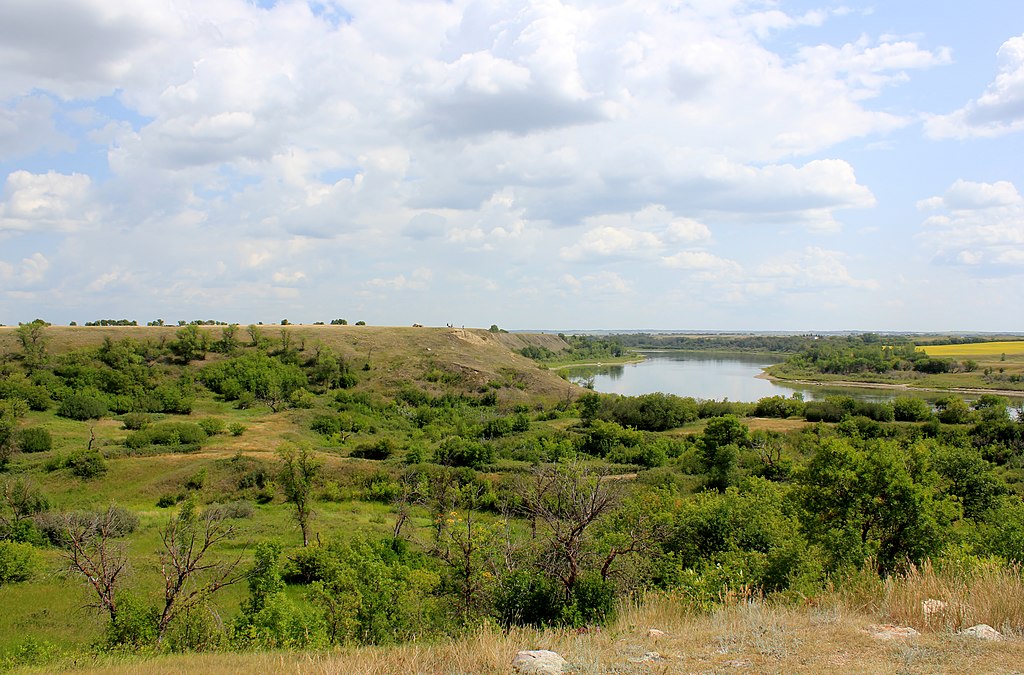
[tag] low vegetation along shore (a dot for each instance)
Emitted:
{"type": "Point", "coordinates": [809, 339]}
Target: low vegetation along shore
{"type": "Point", "coordinates": [364, 499]}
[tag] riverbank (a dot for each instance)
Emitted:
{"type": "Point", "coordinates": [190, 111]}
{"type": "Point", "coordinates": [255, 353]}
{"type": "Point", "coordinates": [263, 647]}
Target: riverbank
{"type": "Point", "coordinates": [898, 386]}
{"type": "Point", "coordinates": [614, 362]}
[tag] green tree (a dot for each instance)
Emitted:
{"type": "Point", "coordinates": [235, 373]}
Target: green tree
{"type": "Point", "coordinates": [718, 450]}
{"type": "Point", "coordinates": [874, 500]}
{"type": "Point", "coordinates": [298, 475]}
{"type": "Point", "coordinates": [33, 340]}
{"type": "Point", "coordinates": [190, 343]}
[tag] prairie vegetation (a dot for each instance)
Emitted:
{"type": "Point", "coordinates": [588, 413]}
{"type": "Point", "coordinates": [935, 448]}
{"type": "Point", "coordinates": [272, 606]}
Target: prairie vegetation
{"type": "Point", "coordinates": [303, 497]}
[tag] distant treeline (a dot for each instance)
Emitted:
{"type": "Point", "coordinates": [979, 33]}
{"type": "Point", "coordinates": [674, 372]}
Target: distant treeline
{"type": "Point", "coordinates": [745, 343]}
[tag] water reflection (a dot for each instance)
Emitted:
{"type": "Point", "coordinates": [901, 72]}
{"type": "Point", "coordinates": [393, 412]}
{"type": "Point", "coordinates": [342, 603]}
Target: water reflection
{"type": "Point", "coordinates": [718, 376]}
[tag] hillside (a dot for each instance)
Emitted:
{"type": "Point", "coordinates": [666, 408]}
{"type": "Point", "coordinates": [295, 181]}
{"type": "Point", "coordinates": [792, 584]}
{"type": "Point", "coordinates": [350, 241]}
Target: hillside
{"type": "Point", "coordinates": [472, 358]}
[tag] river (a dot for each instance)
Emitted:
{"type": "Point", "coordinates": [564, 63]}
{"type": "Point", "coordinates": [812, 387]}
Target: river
{"type": "Point", "coordinates": [709, 375]}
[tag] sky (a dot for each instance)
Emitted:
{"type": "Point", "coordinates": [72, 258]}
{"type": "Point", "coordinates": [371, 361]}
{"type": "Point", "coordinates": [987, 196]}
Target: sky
{"type": "Point", "coordinates": [550, 164]}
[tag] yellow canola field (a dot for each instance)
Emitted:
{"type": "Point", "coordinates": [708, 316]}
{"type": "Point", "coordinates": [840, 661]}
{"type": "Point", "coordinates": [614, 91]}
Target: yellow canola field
{"type": "Point", "coordinates": [976, 349]}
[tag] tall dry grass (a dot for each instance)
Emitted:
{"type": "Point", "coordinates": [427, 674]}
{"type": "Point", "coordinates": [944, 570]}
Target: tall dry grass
{"type": "Point", "coordinates": [983, 592]}
{"type": "Point", "coordinates": [825, 634]}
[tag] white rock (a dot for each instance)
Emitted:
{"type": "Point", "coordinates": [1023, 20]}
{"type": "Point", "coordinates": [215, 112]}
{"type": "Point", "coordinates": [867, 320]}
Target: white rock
{"type": "Point", "coordinates": [932, 607]}
{"type": "Point", "coordinates": [982, 631]}
{"type": "Point", "coordinates": [538, 661]}
{"type": "Point", "coordinates": [655, 633]}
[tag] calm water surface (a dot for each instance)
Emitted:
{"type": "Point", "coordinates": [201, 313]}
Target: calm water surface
{"type": "Point", "coordinates": [716, 376]}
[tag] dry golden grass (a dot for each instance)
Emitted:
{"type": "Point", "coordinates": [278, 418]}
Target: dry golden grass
{"type": "Point", "coordinates": [824, 635]}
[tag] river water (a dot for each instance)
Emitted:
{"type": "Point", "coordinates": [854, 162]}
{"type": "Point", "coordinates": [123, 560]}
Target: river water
{"type": "Point", "coordinates": [707, 375]}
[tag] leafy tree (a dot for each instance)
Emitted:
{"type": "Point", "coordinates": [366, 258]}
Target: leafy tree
{"type": "Point", "coordinates": [909, 409]}
{"type": "Point", "coordinates": [33, 340]}
{"type": "Point", "coordinates": [876, 500]}
{"type": "Point", "coordinates": [954, 410]}
{"type": "Point", "coordinates": [298, 475]}
{"type": "Point", "coordinates": [190, 343]}
{"type": "Point", "coordinates": [718, 450]}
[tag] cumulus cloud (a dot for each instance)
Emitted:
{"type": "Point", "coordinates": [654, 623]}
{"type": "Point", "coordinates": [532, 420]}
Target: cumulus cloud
{"type": "Point", "coordinates": [810, 269]}
{"type": "Point", "coordinates": [418, 280]}
{"type": "Point", "coordinates": [29, 271]}
{"type": "Point", "coordinates": [998, 111]}
{"type": "Point", "coordinates": [260, 146]}
{"type": "Point", "coordinates": [976, 224]}
{"type": "Point", "coordinates": [50, 201]}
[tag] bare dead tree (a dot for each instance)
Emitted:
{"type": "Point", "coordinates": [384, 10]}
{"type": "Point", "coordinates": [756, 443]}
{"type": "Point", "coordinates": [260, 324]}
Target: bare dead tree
{"type": "Point", "coordinates": [190, 573]}
{"type": "Point", "coordinates": [412, 493]}
{"type": "Point", "coordinates": [569, 500]}
{"type": "Point", "coordinates": [92, 553]}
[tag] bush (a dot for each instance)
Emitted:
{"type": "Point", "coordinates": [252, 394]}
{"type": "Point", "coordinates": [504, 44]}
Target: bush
{"type": "Point", "coordinates": [237, 428]}
{"type": "Point", "coordinates": [86, 464]}
{"type": "Point", "coordinates": [456, 451]}
{"type": "Point", "coordinates": [167, 433]}
{"type": "Point", "coordinates": [823, 411]}
{"type": "Point", "coordinates": [526, 598]}
{"type": "Point", "coordinates": [326, 424]}
{"type": "Point", "coordinates": [240, 509]}
{"type": "Point", "coordinates": [212, 425]}
{"type": "Point", "coordinates": [167, 501]}
{"type": "Point", "coordinates": [135, 421]}
{"type": "Point", "coordinates": [82, 407]}
{"type": "Point", "coordinates": [907, 409]}
{"type": "Point", "coordinates": [135, 625]}
{"type": "Point", "coordinates": [17, 562]}
{"type": "Point", "coordinates": [380, 449]}
{"type": "Point", "coordinates": [196, 480]}
{"type": "Point", "coordinates": [34, 439]}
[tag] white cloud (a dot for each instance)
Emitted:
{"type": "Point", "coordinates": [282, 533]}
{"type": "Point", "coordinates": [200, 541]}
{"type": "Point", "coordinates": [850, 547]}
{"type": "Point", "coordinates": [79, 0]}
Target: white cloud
{"type": "Point", "coordinates": [611, 241]}
{"type": "Point", "coordinates": [601, 283]}
{"type": "Point", "coordinates": [976, 224]}
{"type": "Point", "coordinates": [50, 201]}
{"type": "Point", "coordinates": [418, 280]}
{"type": "Point", "coordinates": [28, 272]}
{"type": "Point", "coordinates": [810, 269]}
{"type": "Point", "coordinates": [998, 111]}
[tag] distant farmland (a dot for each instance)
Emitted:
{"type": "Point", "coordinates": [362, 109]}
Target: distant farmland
{"type": "Point", "coordinates": [1014, 348]}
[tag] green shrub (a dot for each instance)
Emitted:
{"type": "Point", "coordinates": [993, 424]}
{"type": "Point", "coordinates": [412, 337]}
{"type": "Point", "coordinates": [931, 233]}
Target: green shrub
{"type": "Point", "coordinates": [237, 428]}
{"type": "Point", "coordinates": [135, 625]}
{"type": "Point", "coordinates": [135, 421]}
{"type": "Point", "coordinates": [240, 509]}
{"type": "Point", "coordinates": [379, 449]}
{"type": "Point", "coordinates": [86, 464]}
{"type": "Point", "coordinates": [34, 439]}
{"type": "Point", "coordinates": [167, 501]}
{"type": "Point", "coordinates": [18, 562]}
{"type": "Point", "coordinates": [82, 407]}
{"type": "Point", "coordinates": [196, 480]}
{"type": "Point", "coordinates": [326, 424]}
{"type": "Point", "coordinates": [167, 433]}
{"type": "Point", "coordinates": [526, 598]}
{"type": "Point", "coordinates": [212, 425]}
{"type": "Point", "coordinates": [457, 451]}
